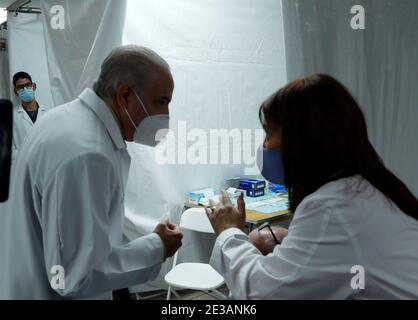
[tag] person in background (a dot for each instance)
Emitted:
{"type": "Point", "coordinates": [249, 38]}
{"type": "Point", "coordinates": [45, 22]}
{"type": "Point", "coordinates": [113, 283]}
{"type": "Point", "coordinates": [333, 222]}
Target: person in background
{"type": "Point", "coordinates": [28, 111]}
{"type": "Point", "coordinates": [354, 233]}
{"type": "Point", "coordinates": [64, 228]}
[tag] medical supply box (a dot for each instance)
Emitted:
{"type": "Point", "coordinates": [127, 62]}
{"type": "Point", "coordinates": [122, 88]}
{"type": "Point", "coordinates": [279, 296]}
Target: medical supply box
{"type": "Point", "coordinates": [196, 196]}
{"type": "Point", "coordinates": [253, 187]}
{"type": "Point", "coordinates": [252, 184]}
{"type": "Point", "coordinates": [277, 188]}
{"type": "Point", "coordinates": [255, 193]}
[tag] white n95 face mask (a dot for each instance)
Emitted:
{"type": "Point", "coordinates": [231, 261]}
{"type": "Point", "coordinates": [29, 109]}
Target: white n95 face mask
{"type": "Point", "coordinates": [147, 130]}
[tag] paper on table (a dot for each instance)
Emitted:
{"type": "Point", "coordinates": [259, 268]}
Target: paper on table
{"type": "Point", "coordinates": [269, 205]}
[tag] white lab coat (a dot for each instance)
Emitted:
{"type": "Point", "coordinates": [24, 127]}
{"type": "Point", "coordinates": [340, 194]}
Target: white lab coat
{"type": "Point", "coordinates": [22, 124]}
{"type": "Point", "coordinates": [66, 209]}
{"type": "Point", "coordinates": [343, 224]}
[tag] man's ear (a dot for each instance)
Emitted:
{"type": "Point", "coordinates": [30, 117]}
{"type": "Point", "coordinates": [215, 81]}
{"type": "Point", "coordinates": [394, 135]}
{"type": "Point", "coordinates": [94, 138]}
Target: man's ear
{"type": "Point", "coordinates": [34, 86]}
{"type": "Point", "coordinates": [122, 95]}
{"type": "Point", "coordinates": [15, 92]}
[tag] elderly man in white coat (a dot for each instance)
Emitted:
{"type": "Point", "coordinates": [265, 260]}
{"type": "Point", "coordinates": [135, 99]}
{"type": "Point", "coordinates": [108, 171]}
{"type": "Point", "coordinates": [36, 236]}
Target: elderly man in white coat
{"type": "Point", "coordinates": [63, 231]}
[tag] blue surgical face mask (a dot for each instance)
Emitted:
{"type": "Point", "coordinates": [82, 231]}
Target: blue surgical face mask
{"type": "Point", "coordinates": [26, 94]}
{"type": "Point", "coordinates": [270, 163]}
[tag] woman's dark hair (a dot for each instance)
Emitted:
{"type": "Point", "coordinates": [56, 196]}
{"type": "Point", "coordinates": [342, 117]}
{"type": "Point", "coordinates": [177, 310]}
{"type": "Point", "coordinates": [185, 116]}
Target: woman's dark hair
{"type": "Point", "coordinates": [324, 138]}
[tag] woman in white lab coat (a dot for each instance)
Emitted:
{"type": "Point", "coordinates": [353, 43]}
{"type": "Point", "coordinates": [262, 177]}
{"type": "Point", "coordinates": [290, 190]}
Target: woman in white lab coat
{"type": "Point", "coordinates": [354, 233]}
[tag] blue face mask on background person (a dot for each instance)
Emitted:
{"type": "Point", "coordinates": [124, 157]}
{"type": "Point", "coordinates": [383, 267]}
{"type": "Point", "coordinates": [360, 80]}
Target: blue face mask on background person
{"type": "Point", "coordinates": [146, 132]}
{"type": "Point", "coordinates": [26, 94]}
{"type": "Point", "coordinates": [270, 163]}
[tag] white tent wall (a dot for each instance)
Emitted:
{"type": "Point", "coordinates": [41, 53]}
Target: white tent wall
{"type": "Point", "coordinates": [226, 57]}
{"type": "Point", "coordinates": [92, 28]}
{"type": "Point", "coordinates": [27, 53]}
{"type": "Point", "coordinates": [379, 65]}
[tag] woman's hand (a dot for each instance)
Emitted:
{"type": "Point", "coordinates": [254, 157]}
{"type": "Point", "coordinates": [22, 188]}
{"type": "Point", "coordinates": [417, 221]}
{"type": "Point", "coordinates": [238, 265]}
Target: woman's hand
{"type": "Point", "coordinates": [225, 216]}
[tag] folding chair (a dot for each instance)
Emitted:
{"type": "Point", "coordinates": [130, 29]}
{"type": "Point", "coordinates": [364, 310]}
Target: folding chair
{"type": "Point", "coordinates": [195, 276]}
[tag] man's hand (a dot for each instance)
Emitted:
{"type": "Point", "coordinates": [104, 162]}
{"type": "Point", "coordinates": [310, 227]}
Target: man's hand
{"type": "Point", "coordinates": [226, 216]}
{"type": "Point", "coordinates": [171, 236]}
{"type": "Point", "coordinates": [264, 241]}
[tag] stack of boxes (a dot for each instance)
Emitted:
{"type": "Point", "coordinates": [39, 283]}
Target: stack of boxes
{"type": "Point", "coordinates": [250, 187]}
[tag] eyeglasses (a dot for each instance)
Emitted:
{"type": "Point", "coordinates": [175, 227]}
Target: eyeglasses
{"type": "Point", "coordinates": [24, 86]}
{"type": "Point", "coordinates": [271, 231]}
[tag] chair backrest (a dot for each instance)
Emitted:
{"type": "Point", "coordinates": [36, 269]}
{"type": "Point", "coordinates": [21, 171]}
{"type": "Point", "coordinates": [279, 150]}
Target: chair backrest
{"type": "Point", "coordinates": [195, 219]}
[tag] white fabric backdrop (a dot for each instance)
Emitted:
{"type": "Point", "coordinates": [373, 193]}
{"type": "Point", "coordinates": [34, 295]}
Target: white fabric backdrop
{"type": "Point", "coordinates": [27, 53]}
{"type": "Point", "coordinates": [226, 58]}
{"type": "Point", "coordinates": [379, 65]}
{"type": "Point", "coordinates": [92, 29]}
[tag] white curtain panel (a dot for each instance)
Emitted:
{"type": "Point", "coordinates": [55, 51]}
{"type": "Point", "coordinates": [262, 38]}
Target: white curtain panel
{"type": "Point", "coordinates": [226, 57]}
{"type": "Point", "coordinates": [27, 53]}
{"type": "Point", "coordinates": [378, 64]}
{"type": "Point", "coordinates": [91, 29]}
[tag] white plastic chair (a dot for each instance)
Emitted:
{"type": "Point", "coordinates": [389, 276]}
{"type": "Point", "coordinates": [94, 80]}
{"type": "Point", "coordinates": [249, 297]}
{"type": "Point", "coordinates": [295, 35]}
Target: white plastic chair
{"type": "Point", "coordinates": [195, 276]}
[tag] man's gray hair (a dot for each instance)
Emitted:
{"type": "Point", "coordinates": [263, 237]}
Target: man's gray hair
{"type": "Point", "coordinates": [127, 64]}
